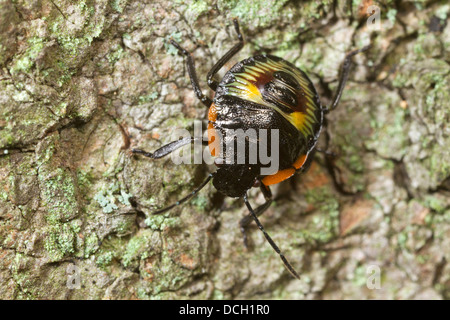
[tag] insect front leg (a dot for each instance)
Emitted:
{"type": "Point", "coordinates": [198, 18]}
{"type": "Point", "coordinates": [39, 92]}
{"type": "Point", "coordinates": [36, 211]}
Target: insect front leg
{"type": "Point", "coordinates": [164, 151]}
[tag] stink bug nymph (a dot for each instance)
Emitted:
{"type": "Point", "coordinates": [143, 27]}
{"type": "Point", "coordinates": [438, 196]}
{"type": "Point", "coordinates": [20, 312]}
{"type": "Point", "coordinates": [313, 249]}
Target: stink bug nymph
{"type": "Point", "coordinates": [261, 92]}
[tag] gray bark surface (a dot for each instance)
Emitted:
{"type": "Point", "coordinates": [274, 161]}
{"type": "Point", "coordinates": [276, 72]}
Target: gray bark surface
{"type": "Point", "coordinates": [83, 82]}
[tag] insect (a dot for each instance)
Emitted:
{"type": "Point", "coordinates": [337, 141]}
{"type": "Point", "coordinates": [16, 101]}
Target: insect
{"type": "Point", "coordinates": [262, 92]}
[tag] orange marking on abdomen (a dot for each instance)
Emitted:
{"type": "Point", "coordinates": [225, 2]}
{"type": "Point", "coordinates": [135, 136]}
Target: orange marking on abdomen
{"type": "Point", "coordinates": [300, 162]}
{"type": "Point", "coordinates": [213, 142]}
{"type": "Point", "coordinates": [278, 177]}
{"type": "Point", "coordinates": [286, 173]}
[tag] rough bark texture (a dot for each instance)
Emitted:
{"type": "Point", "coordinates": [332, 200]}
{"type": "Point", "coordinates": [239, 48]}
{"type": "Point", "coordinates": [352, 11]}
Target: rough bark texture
{"type": "Point", "coordinates": [83, 81]}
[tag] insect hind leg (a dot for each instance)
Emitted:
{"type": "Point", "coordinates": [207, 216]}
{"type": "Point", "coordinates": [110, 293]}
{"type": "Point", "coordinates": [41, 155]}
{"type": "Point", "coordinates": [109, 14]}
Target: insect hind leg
{"type": "Point", "coordinates": [219, 64]}
{"type": "Point", "coordinates": [192, 75]}
{"type": "Point", "coordinates": [343, 78]}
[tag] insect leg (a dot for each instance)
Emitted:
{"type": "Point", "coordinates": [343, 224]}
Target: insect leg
{"type": "Point", "coordinates": [193, 75]}
{"type": "Point", "coordinates": [189, 196]}
{"type": "Point", "coordinates": [269, 239]}
{"type": "Point", "coordinates": [328, 153]}
{"type": "Point", "coordinates": [258, 211]}
{"type": "Point", "coordinates": [168, 148]}
{"type": "Point", "coordinates": [219, 64]}
{"type": "Point", "coordinates": [344, 76]}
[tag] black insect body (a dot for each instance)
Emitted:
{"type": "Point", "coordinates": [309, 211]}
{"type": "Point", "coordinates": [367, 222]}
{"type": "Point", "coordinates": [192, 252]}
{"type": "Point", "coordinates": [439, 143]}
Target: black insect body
{"type": "Point", "coordinates": [265, 94]}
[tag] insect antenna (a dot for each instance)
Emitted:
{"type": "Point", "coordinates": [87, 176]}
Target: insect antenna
{"type": "Point", "coordinates": [189, 196]}
{"type": "Point", "coordinates": [269, 239]}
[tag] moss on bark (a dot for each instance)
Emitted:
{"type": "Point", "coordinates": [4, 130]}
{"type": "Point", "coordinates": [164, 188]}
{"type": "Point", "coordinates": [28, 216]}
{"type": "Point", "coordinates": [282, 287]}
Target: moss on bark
{"type": "Point", "coordinates": [81, 82]}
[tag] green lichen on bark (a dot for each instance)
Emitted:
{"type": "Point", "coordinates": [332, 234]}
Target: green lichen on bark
{"type": "Point", "coordinates": [82, 82]}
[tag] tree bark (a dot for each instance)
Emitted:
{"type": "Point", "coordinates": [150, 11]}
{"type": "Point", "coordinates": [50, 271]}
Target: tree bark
{"type": "Point", "coordinates": [83, 82]}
